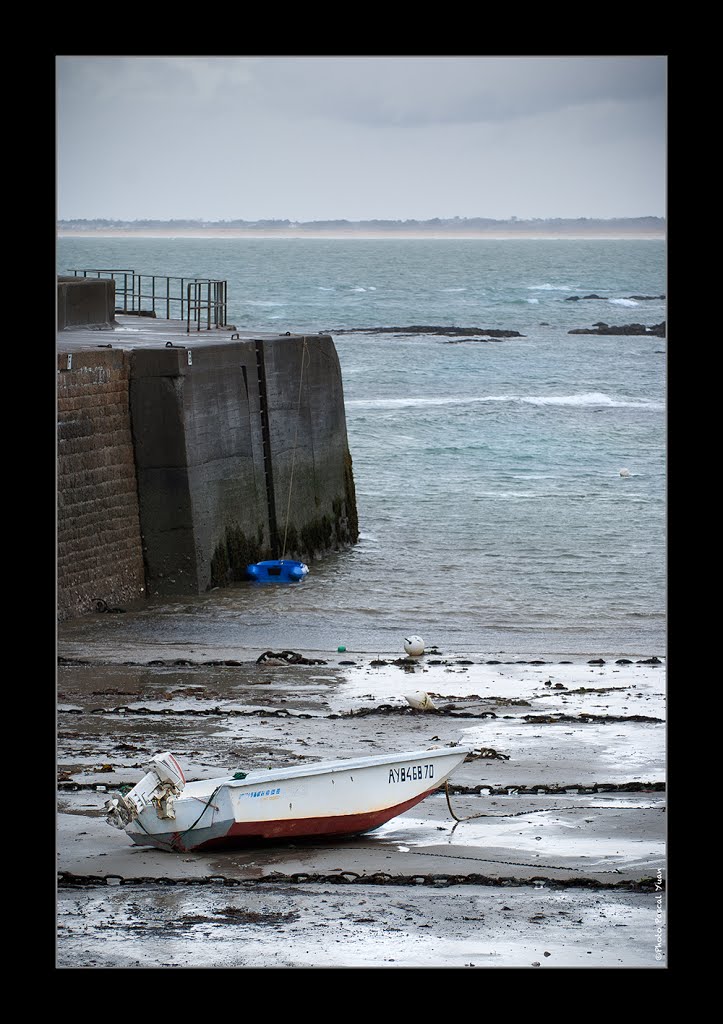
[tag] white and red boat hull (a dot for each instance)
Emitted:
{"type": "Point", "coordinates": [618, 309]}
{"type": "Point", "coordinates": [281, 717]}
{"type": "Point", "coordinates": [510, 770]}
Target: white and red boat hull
{"type": "Point", "coordinates": [337, 798]}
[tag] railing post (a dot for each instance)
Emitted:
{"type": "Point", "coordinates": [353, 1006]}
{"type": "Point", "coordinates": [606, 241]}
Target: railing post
{"type": "Point", "coordinates": [190, 297]}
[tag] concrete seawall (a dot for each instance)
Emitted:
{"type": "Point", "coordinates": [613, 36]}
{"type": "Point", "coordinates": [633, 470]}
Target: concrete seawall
{"type": "Point", "coordinates": [183, 457]}
{"type": "Point", "coordinates": [226, 445]}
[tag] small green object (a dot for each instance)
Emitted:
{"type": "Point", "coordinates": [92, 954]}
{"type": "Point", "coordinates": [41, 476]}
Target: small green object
{"type": "Point", "coordinates": [240, 775]}
{"type": "Point", "coordinates": [341, 648]}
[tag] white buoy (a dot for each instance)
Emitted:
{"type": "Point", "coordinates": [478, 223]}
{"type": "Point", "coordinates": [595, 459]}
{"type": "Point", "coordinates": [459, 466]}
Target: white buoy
{"type": "Point", "coordinates": [414, 646]}
{"type": "Point", "coordinates": [624, 472]}
{"type": "Point", "coordinates": [420, 700]}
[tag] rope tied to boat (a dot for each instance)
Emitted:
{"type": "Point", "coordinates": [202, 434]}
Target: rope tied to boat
{"type": "Point", "coordinates": [519, 814]}
{"type": "Point", "coordinates": [456, 816]}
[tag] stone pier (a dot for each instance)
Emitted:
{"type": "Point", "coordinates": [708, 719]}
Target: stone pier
{"type": "Point", "coordinates": [184, 456]}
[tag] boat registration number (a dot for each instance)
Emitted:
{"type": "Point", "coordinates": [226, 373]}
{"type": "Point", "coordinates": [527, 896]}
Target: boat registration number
{"type": "Point", "coordinates": [411, 773]}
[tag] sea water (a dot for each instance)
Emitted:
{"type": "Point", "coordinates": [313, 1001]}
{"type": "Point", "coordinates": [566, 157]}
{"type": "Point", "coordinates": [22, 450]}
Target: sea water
{"type": "Point", "coordinates": [494, 515]}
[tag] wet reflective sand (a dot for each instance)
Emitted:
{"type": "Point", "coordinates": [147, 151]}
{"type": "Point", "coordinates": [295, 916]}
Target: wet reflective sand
{"type": "Point", "coordinates": [563, 852]}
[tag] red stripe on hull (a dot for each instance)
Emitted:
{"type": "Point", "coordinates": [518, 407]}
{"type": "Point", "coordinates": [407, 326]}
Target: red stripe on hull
{"type": "Point", "coordinates": [243, 832]}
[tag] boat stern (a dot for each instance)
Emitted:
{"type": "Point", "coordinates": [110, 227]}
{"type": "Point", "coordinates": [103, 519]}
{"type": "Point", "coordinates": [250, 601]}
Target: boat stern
{"type": "Point", "coordinates": [159, 788]}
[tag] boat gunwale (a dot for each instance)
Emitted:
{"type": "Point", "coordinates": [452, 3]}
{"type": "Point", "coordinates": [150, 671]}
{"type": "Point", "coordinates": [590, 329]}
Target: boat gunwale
{"type": "Point", "coordinates": [263, 775]}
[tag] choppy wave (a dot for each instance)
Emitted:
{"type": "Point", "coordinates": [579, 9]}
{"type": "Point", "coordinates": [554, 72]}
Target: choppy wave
{"type": "Point", "coordinates": [533, 476]}
{"type": "Point", "coordinates": [623, 302]}
{"type": "Point", "coordinates": [549, 287]}
{"type": "Point", "coordinates": [589, 398]}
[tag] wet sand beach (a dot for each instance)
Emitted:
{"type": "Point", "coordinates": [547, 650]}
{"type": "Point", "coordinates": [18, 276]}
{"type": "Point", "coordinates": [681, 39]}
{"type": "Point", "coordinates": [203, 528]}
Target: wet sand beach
{"type": "Point", "coordinates": [561, 863]}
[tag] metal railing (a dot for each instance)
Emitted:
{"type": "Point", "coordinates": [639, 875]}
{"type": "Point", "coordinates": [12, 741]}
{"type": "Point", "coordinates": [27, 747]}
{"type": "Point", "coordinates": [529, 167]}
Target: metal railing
{"type": "Point", "coordinates": [197, 300]}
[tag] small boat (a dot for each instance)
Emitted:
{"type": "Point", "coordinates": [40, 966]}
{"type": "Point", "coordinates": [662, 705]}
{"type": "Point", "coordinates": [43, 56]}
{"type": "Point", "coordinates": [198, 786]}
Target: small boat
{"type": "Point", "coordinates": [326, 799]}
{"type": "Point", "coordinates": [277, 570]}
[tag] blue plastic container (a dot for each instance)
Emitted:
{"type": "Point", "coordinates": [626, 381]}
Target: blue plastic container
{"type": "Point", "coordinates": [277, 570]}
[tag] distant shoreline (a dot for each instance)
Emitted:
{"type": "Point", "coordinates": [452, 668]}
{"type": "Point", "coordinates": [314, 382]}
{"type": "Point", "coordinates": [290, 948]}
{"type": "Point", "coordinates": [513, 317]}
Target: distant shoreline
{"type": "Point", "coordinates": [492, 235]}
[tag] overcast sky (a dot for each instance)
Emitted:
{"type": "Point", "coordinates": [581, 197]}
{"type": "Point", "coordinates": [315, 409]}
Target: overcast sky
{"type": "Point", "coordinates": [358, 138]}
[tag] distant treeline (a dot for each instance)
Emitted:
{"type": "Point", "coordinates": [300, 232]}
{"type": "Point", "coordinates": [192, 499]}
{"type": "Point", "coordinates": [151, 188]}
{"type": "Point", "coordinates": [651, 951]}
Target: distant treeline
{"type": "Point", "coordinates": [458, 224]}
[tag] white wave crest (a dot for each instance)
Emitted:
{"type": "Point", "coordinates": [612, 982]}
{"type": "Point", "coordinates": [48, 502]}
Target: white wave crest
{"type": "Point", "coordinates": [624, 302]}
{"type": "Point", "coordinates": [549, 288]}
{"type": "Point", "coordinates": [588, 398]}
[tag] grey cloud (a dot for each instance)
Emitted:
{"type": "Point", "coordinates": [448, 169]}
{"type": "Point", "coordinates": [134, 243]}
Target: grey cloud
{"type": "Point", "coordinates": [432, 90]}
{"type": "Point", "coordinates": [360, 137]}
{"type": "Point", "coordinates": [372, 90]}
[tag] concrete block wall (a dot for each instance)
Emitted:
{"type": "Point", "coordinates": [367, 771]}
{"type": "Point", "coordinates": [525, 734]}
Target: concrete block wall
{"type": "Point", "coordinates": [199, 460]}
{"type": "Point", "coordinates": [313, 480]}
{"type": "Point", "coordinates": [225, 457]}
{"type": "Point", "coordinates": [214, 492]}
{"type": "Point", "coordinates": [99, 555]}
{"type": "Point", "coordinates": [85, 302]}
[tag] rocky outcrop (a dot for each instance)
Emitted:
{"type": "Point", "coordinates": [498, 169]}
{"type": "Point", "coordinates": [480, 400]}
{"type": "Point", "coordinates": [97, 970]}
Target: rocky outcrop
{"type": "Point", "coordinates": [656, 331]}
{"type": "Point", "coordinates": [637, 298]}
{"type": "Point", "coordinates": [443, 331]}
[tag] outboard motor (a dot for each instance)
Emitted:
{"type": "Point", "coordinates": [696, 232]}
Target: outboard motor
{"type": "Point", "coordinates": [165, 781]}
